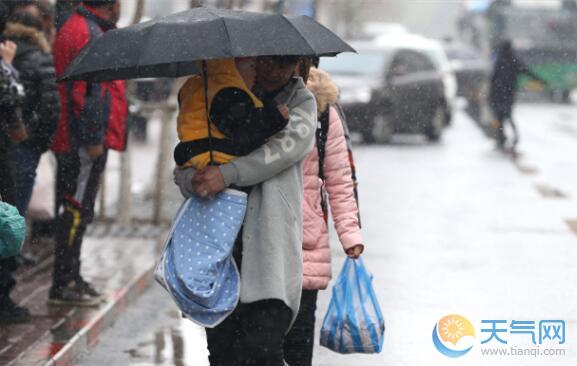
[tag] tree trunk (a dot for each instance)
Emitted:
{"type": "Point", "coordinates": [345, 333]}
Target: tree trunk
{"type": "Point", "coordinates": [125, 184]}
{"type": "Point", "coordinates": [138, 12]}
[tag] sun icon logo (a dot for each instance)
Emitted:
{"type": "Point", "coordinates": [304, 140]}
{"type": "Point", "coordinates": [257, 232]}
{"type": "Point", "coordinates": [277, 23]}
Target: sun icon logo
{"type": "Point", "coordinates": [448, 333]}
{"type": "Point", "coordinates": [452, 329]}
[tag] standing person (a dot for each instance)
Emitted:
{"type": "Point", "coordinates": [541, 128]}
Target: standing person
{"type": "Point", "coordinates": [327, 172]}
{"type": "Point", "coordinates": [12, 131]}
{"type": "Point", "coordinates": [268, 249]}
{"type": "Point", "coordinates": [508, 67]}
{"type": "Point", "coordinates": [41, 108]}
{"type": "Point", "coordinates": [92, 121]}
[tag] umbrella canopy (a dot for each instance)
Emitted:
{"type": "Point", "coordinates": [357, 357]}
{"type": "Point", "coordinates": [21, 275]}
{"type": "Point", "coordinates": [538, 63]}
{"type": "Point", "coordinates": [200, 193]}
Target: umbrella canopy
{"type": "Point", "coordinates": [169, 46]}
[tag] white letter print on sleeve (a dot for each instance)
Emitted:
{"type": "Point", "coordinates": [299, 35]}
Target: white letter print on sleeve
{"type": "Point", "coordinates": [287, 142]}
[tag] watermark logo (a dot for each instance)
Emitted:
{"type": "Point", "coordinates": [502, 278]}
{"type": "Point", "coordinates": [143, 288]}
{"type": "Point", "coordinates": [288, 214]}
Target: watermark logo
{"type": "Point", "coordinates": [453, 335]}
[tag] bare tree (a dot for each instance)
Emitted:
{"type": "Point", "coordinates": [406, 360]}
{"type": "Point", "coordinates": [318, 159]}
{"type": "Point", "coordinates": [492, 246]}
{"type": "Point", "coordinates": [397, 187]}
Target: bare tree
{"type": "Point", "coordinates": [125, 184]}
{"type": "Point", "coordinates": [138, 12]}
{"type": "Point", "coordinates": [276, 6]}
{"type": "Point", "coordinates": [227, 4]}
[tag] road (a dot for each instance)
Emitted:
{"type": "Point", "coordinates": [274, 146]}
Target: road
{"type": "Point", "coordinates": [450, 228]}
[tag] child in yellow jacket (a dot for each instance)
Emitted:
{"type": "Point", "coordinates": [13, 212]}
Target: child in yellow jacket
{"type": "Point", "coordinates": [239, 121]}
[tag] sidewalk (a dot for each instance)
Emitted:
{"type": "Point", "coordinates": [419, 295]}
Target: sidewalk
{"type": "Point", "coordinates": [118, 260]}
{"type": "Point", "coordinates": [120, 267]}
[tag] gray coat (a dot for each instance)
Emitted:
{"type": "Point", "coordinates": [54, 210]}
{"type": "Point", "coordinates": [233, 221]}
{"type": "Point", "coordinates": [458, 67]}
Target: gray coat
{"type": "Point", "coordinates": [272, 235]}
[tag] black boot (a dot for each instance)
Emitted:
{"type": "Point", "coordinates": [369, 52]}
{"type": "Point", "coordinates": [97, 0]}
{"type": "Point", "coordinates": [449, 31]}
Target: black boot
{"type": "Point", "coordinates": [10, 313]}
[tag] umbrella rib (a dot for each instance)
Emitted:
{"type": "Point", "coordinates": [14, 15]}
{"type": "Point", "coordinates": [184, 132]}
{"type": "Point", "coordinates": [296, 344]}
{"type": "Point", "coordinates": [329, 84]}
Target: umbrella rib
{"type": "Point", "coordinates": [227, 35]}
{"type": "Point", "coordinates": [299, 33]}
{"type": "Point", "coordinates": [223, 19]}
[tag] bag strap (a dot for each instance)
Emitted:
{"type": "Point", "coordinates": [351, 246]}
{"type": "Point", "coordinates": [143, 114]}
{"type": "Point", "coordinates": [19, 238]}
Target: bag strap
{"type": "Point", "coordinates": [209, 121]}
{"type": "Point", "coordinates": [321, 139]}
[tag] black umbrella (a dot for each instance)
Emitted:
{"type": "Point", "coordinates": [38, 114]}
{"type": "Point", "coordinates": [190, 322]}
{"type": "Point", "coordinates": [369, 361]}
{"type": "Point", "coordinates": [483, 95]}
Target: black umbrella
{"type": "Point", "coordinates": [169, 46]}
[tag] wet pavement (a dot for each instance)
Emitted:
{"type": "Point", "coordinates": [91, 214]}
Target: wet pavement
{"type": "Point", "coordinates": [110, 265]}
{"type": "Point", "coordinates": [150, 333]}
{"type": "Point", "coordinates": [456, 227]}
{"type": "Point", "coordinates": [116, 259]}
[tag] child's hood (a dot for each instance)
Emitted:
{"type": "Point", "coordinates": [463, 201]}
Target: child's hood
{"type": "Point", "coordinates": [222, 73]}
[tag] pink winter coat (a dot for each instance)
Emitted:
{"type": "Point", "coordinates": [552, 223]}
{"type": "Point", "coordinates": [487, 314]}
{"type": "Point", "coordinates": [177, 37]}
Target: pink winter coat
{"type": "Point", "coordinates": [339, 186]}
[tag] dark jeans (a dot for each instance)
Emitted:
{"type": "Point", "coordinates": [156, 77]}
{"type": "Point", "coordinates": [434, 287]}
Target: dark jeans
{"type": "Point", "coordinates": [501, 137]}
{"type": "Point", "coordinates": [8, 193]}
{"type": "Point", "coordinates": [7, 282]}
{"type": "Point", "coordinates": [253, 334]}
{"type": "Point", "coordinates": [299, 342]}
{"type": "Point", "coordinates": [78, 181]}
{"type": "Point", "coordinates": [7, 186]}
{"type": "Point", "coordinates": [504, 114]}
{"type": "Point", "coordinates": [25, 161]}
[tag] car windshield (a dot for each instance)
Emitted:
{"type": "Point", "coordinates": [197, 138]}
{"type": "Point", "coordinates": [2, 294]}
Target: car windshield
{"type": "Point", "coordinates": [363, 63]}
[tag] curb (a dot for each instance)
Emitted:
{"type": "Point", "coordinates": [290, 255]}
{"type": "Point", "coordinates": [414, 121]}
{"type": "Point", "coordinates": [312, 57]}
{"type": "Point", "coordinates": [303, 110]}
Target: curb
{"type": "Point", "coordinates": [64, 354]}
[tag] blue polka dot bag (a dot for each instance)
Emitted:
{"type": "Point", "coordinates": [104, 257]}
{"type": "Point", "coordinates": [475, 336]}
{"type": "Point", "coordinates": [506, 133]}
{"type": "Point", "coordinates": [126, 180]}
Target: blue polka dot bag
{"type": "Point", "coordinates": [196, 267]}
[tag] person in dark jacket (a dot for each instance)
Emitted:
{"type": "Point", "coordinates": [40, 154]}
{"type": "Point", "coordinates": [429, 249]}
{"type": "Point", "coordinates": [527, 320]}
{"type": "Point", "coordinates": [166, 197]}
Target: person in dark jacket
{"type": "Point", "coordinates": [41, 108]}
{"type": "Point", "coordinates": [12, 131]}
{"type": "Point", "coordinates": [508, 67]}
{"type": "Point", "coordinates": [93, 120]}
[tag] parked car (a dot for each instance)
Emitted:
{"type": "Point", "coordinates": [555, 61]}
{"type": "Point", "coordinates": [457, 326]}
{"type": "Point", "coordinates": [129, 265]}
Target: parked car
{"type": "Point", "coordinates": [471, 69]}
{"type": "Point", "coordinates": [389, 89]}
{"type": "Point", "coordinates": [473, 79]}
{"type": "Point", "coordinates": [436, 52]}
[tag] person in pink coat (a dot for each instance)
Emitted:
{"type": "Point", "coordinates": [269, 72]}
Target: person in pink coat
{"type": "Point", "coordinates": [339, 187]}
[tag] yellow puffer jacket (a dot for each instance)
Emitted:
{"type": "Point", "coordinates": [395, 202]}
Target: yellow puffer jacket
{"type": "Point", "coordinates": [192, 123]}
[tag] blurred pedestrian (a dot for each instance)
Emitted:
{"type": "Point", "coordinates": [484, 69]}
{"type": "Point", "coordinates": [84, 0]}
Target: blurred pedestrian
{"type": "Point", "coordinates": [507, 69]}
{"type": "Point", "coordinates": [268, 249]}
{"type": "Point", "coordinates": [12, 131]}
{"type": "Point", "coordinates": [29, 6]}
{"type": "Point", "coordinates": [93, 120]}
{"type": "Point", "coordinates": [41, 107]}
{"type": "Point", "coordinates": [328, 182]}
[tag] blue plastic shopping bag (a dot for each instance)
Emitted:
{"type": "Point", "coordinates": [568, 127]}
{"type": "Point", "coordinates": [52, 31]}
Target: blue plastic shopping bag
{"type": "Point", "coordinates": [354, 322]}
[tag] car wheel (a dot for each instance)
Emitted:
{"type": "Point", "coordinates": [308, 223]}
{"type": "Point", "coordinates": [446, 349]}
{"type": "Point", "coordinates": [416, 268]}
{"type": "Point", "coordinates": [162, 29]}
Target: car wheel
{"type": "Point", "coordinates": [382, 128]}
{"type": "Point", "coordinates": [436, 124]}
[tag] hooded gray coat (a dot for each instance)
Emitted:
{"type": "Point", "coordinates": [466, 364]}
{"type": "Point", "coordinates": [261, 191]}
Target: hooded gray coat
{"type": "Point", "coordinates": [272, 235]}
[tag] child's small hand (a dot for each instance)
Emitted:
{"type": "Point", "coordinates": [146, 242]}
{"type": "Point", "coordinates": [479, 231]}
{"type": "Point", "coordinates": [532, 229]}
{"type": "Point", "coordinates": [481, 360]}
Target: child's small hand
{"type": "Point", "coordinates": [284, 111]}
